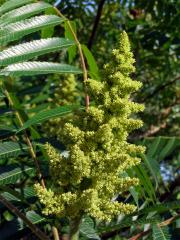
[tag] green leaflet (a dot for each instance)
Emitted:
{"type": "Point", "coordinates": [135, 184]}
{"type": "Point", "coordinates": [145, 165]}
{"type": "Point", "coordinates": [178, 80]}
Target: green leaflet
{"type": "Point", "coordinates": [48, 114]}
{"type": "Point", "coordinates": [87, 229]}
{"type": "Point", "coordinates": [128, 221]}
{"type": "Point", "coordinates": [38, 68]}
{"type": "Point", "coordinates": [161, 147]}
{"type": "Point", "coordinates": [160, 233]}
{"type": "Point", "coordinates": [153, 167]}
{"type": "Point", "coordinates": [7, 132]}
{"type": "Point", "coordinates": [23, 12]}
{"type": "Point", "coordinates": [159, 208]}
{"type": "Point", "coordinates": [145, 182]}
{"type": "Point", "coordinates": [94, 71]}
{"type": "Point", "coordinates": [158, 148]}
{"type": "Point", "coordinates": [11, 149]}
{"type": "Point", "coordinates": [17, 196]}
{"type": "Point", "coordinates": [153, 147]}
{"type": "Point", "coordinates": [26, 51]}
{"type": "Point", "coordinates": [34, 217]}
{"type": "Point", "coordinates": [11, 174]}
{"type": "Point", "coordinates": [134, 194]}
{"type": "Point", "coordinates": [169, 147]}
{"type": "Point", "coordinates": [15, 31]}
{"type": "Point", "coordinates": [5, 112]}
{"type": "Point", "coordinates": [41, 106]}
{"type": "Point", "coordinates": [24, 116]}
{"type": "Point", "coordinates": [12, 4]}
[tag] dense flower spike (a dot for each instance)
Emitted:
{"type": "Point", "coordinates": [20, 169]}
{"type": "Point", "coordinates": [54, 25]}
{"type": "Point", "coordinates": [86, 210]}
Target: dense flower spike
{"type": "Point", "coordinates": [92, 174]}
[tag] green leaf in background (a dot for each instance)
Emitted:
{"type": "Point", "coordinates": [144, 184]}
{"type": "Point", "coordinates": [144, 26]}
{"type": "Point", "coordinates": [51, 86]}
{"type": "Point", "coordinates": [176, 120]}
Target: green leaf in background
{"type": "Point", "coordinates": [134, 194]}
{"type": "Point", "coordinates": [23, 12]}
{"type": "Point", "coordinates": [38, 68]}
{"type": "Point", "coordinates": [159, 148]}
{"type": "Point", "coordinates": [49, 114]}
{"type": "Point", "coordinates": [153, 167]}
{"type": "Point", "coordinates": [8, 216]}
{"type": "Point", "coordinates": [29, 50]}
{"type": "Point", "coordinates": [17, 30]}
{"type": "Point", "coordinates": [10, 174]}
{"type": "Point", "coordinates": [145, 182]}
{"type": "Point", "coordinates": [93, 68]}
{"type": "Point", "coordinates": [160, 233]}
{"type": "Point", "coordinates": [48, 32]}
{"type": "Point", "coordinates": [153, 147]}
{"type": "Point", "coordinates": [168, 148]}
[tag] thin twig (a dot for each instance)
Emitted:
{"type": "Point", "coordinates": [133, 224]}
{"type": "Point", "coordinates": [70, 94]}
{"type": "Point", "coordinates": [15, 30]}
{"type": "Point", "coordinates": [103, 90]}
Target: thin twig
{"type": "Point", "coordinates": [96, 22]}
{"type": "Point", "coordinates": [163, 117]}
{"type": "Point", "coordinates": [139, 235]}
{"type": "Point", "coordinates": [84, 69]}
{"type": "Point", "coordinates": [160, 88]}
{"type": "Point", "coordinates": [16, 211]}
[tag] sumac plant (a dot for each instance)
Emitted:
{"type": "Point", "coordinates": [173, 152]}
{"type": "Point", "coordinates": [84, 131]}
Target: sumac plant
{"type": "Point", "coordinates": [67, 169]}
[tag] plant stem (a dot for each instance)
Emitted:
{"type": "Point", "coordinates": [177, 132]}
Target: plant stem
{"type": "Point", "coordinates": [31, 149]}
{"type": "Point", "coordinates": [74, 228]}
{"type": "Point", "coordinates": [85, 75]}
{"type": "Point", "coordinates": [55, 233]}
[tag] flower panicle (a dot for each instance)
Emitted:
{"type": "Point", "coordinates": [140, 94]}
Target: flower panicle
{"type": "Point", "coordinates": [87, 180]}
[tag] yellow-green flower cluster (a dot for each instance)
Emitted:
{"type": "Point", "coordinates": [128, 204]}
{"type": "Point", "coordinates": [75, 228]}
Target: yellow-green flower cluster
{"type": "Point", "coordinates": [90, 176]}
{"type": "Point", "coordinates": [65, 94]}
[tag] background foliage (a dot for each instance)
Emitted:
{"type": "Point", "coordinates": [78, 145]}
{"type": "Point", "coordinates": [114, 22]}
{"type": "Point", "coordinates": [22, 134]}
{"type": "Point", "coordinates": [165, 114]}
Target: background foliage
{"type": "Point", "coordinates": [26, 105]}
